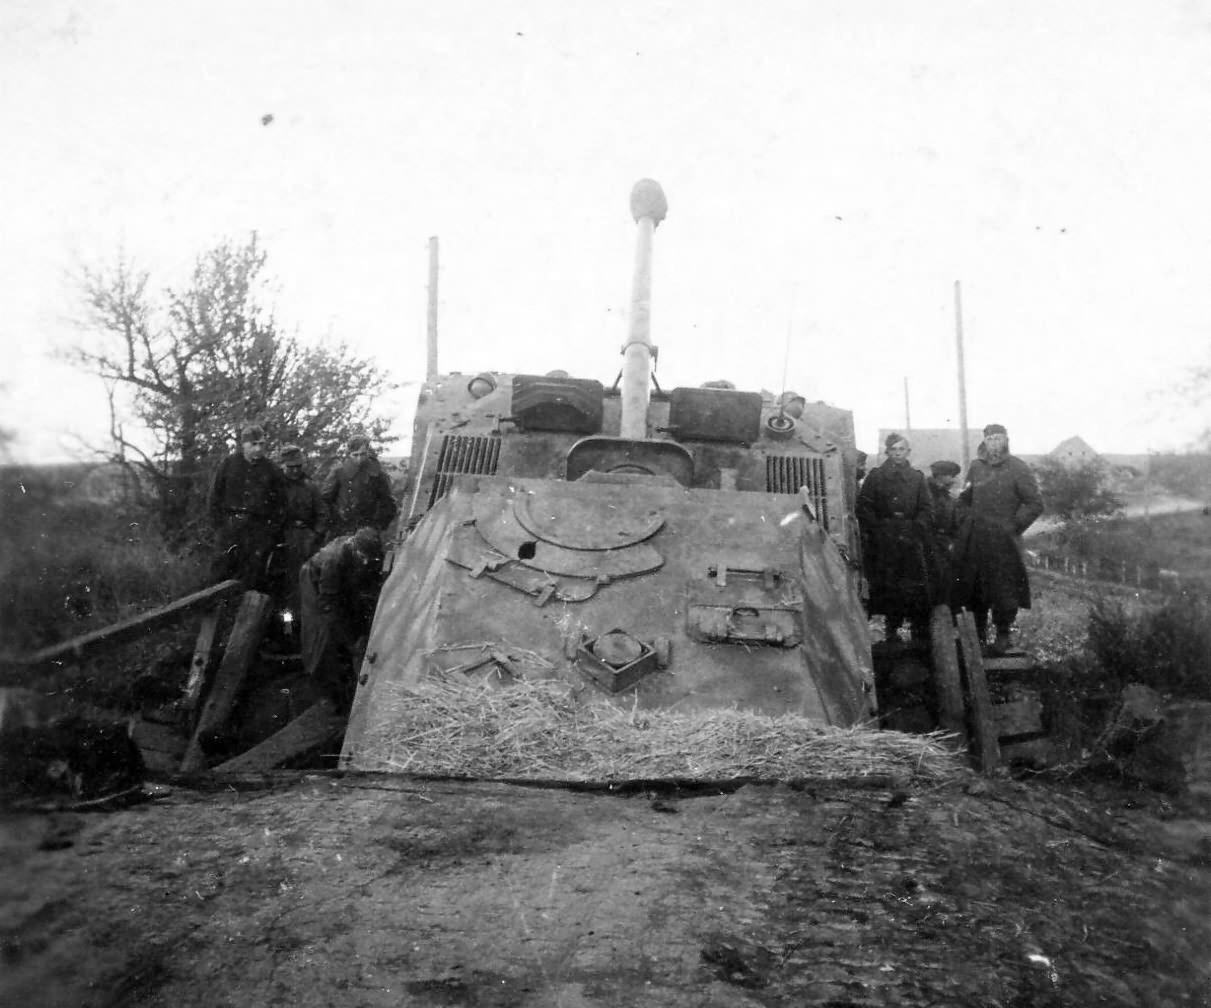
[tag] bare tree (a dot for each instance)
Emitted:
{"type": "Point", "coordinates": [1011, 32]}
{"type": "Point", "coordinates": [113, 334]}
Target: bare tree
{"type": "Point", "coordinates": [191, 365]}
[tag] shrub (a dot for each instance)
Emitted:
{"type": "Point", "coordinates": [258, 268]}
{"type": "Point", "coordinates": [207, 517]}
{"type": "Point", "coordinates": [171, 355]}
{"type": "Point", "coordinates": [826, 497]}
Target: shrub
{"type": "Point", "coordinates": [69, 565]}
{"type": "Point", "coordinates": [1167, 648]}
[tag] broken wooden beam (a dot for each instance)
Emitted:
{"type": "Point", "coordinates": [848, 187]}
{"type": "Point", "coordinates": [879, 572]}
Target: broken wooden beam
{"type": "Point", "coordinates": [24, 670]}
{"type": "Point", "coordinates": [242, 645]}
{"type": "Point", "coordinates": [947, 679]}
{"type": "Point", "coordinates": [318, 724]}
{"type": "Point", "coordinates": [986, 749]}
{"type": "Point", "coordinates": [200, 665]}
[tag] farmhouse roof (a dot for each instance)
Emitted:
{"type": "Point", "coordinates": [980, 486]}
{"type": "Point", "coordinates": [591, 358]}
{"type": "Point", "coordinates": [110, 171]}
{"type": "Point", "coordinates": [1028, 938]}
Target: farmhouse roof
{"type": "Point", "coordinates": [1075, 447]}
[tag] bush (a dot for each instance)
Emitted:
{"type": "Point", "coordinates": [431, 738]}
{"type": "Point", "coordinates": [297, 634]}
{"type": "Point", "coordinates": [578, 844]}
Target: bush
{"type": "Point", "coordinates": [1166, 648]}
{"type": "Point", "coordinates": [69, 565]}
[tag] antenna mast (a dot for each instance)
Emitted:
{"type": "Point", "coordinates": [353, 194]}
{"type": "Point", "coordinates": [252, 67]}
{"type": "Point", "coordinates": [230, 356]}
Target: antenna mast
{"type": "Point", "coordinates": [431, 359]}
{"type": "Point", "coordinates": [963, 438]}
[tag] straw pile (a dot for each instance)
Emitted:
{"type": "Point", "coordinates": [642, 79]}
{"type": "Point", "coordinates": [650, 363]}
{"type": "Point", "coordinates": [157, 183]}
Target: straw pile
{"type": "Point", "coordinates": [544, 730]}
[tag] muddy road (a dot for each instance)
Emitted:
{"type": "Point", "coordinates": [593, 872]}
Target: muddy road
{"type": "Point", "coordinates": [371, 890]}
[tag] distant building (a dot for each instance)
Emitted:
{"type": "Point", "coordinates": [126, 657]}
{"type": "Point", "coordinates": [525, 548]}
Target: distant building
{"type": "Point", "coordinates": [1073, 452]}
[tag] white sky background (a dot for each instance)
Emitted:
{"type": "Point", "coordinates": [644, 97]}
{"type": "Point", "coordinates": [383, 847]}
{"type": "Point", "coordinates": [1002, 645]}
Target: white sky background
{"type": "Point", "coordinates": [831, 169]}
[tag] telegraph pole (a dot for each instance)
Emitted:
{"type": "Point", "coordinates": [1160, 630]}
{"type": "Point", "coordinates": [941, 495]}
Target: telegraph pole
{"type": "Point", "coordinates": [964, 441]}
{"type": "Point", "coordinates": [431, 360]}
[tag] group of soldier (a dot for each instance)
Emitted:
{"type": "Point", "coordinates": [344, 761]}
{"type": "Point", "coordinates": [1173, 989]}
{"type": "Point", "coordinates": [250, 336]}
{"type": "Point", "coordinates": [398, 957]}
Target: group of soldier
{"type": "Point", "coordinates": [317, 550]}
{"type": "Point", "coordinates": [922, 547]}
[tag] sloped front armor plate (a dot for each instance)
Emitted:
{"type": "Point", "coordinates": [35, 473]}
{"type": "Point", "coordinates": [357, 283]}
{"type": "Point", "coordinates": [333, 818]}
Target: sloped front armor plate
{"type": "Point", "coordinates": [497, 523]}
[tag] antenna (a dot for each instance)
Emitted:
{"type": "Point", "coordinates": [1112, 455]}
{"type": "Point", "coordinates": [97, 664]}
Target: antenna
{"type": "Point", "coordinates": [786, 353]}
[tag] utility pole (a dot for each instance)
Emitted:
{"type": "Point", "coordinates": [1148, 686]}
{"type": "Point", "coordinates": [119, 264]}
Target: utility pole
{"type": "Point", "coordinates": [431, 360]}
{"type": "Point", "coordinates": [963, 446]}
{"type": "Point", "coordinates": [907, 412]}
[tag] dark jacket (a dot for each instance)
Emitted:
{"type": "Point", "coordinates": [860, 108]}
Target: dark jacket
{"type": "Point", "coordinates": [358, 494]}
{"type": "Point", "coordinates": [343, 585]}
{"type": "Point", "coordinates": [246, 490]}
{"type": "Point", "coordinates": [894, 515]}
{"type": "Point", "coordinates": [305, 508]}
{"type": "Point", "coordinates": [999, 502]}
{"type": "Point", "coordinates": [944, 526]}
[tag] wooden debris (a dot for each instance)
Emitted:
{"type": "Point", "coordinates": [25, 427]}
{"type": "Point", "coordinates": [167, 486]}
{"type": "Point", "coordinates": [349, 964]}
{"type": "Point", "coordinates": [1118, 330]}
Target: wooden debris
{"type": "Point", "coordinates": [947, 680]}
{"type": "Point", "coordinates": [20, 671]}
{"type": "Point", "coordinates": [203, 653]}
{"type": "Point", "coordinates": [241, 649]}
{"type": "Point", "coordinates": [983, 727]}
{"type": "Point", "coordinates": [318, 724]}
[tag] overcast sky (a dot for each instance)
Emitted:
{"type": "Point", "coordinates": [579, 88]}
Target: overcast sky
{"type": "Point", "coordinates": [831, 170]}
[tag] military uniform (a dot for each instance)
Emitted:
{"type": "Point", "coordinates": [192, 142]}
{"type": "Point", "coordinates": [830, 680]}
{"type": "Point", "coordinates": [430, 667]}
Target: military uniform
{"type": "Point", "coordinates": [1001, 500]}
{"type": "Point", "coordinates": [247, 505]}
{"type": "Point", "coordinates": [306, 527]}
{"type": "Point", "coordinates": [894, 516]}
{"type": "Point", "coordinates": [338, 589]}
{"type": "Point", "coordinates": [358, 495]}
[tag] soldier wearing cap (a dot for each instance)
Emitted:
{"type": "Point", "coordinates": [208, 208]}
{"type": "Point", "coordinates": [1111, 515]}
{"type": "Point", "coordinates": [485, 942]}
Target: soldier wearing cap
{"type": "Point", "coordinates": [894, 516]}
{"type": "Point", "coordinates": [247, 507]}
{"type": "Point", "coordinates": [357, 494]}
{"type": "Point", "coordinates": [306, 521]}
{"type": "Point", "coordinates": [999, 501]}
{"type": "Point", "coordinates": [338, 588]}
{"type": "Point", "coordinates": [943, 475]}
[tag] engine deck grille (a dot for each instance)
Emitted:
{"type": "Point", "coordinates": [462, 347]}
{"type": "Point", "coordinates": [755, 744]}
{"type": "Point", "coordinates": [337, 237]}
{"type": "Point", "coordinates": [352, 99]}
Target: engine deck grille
{"type": "Point", "coordinates": [462, 456]}
{"type": "Point", "coordinates": [787, 473]}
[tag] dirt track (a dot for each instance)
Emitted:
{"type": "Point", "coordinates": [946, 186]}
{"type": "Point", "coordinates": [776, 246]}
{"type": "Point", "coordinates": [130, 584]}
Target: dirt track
{"type": "Point", "coordinates": [379, 891]}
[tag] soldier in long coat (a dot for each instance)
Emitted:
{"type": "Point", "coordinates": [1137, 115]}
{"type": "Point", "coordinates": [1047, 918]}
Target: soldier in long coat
{"type": "Point", "coordinates": [338, 588]}
{"type": "Point", "coordinates": [306, 523]}
{"type": "Point", "coordinates": [1001, 500]}
{"type": "Point", "coordinates": [358, 493]}
{"type": "Point", "coordinates": [894, 515]}
{"type": "Point", "coordinates": [247, 506]}
{"type": "Point", "coordinates": [944, 525]}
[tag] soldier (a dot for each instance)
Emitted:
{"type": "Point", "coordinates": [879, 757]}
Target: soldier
{"type": "Point", "coordinates": [338, 587]}
{"type": "Point", "coordinates": [247, 506]}
{"type": "Point", "coordinates": [945, 524]}
{"type": "Point", "coordinates": [894, 516]}
{"type": "Point", "coordinates": [306, 523]}
{"type": "Point", "coordinates": [358, 493]}
{"type": "Point", "coordinates": [1001, 499]}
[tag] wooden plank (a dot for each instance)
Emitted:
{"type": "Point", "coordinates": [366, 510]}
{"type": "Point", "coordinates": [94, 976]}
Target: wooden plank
{"type": "Point", "coordinates": [203, 651]}
{"type": "Point", "coordinates": [16, 671]}
{"type": "Point", "coordinates": [987, 751]}
{"type": "Point", "coordinates": [318, 724]}
{"type": "Point", "coordinates": [947, 677]}
{"type": "Point", "coordinates": [1010, 663]}
{"type": "Point", "coordinates": [241, 649]}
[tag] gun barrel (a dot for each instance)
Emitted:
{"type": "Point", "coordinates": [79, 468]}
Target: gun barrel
{"type": "Point", "coordinates": [648, 207]}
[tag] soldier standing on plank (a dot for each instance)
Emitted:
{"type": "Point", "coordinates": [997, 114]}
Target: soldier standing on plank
{"type": "Point", "coordinates": [945, 525]}
{"type": "Point", "coordinates": [894, 515]}
{"type": "Point", "coordinates": [1001, 500]}
{"type": "Point", "coordinates": [247, 506]}
{"type": "Point", "coordinates": [306, 522]}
